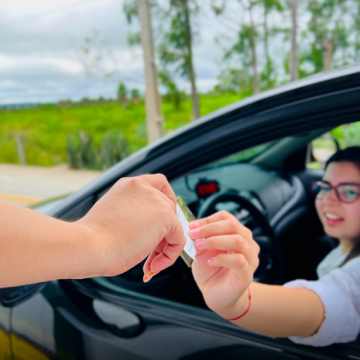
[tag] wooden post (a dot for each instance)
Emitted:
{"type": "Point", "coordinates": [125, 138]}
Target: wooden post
{"type": "Point", "coordinates": [293, 56]}
{"type": "Point", "coordinates": [21, 149]}
{"type": "Point", "coordinates": [152, 99]}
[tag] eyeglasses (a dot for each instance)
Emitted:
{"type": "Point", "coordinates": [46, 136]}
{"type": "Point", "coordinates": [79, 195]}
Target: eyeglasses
{"type": "Point", "coordinates": [345, 192]}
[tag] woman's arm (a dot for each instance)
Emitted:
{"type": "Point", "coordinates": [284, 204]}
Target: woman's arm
{"type": "Point", "coordinates": [135, 218]}
{"type": "Point", "coordinates": [226, 261]}
{"type": "Point", "coordinates": [279, 311]}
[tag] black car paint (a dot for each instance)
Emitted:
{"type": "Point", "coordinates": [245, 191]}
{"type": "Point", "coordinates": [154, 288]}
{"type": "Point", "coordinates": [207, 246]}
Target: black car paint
{"type": "Point", "coordinates": [60, 321]}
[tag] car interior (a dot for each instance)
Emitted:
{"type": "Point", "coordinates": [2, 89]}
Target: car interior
{"type": "Point", "coordinates": [269, 189]}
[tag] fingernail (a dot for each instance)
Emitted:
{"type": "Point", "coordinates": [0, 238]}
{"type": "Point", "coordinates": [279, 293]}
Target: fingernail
{"type": "Point", "coordinates": [199, 243]}
{"type": "Point", "coordinates": [194, 225]}
{"type": "Point", "coordinates": [148, 276]}
{"type": "Point", "coordinates": [211, 261]}
{"type": "Point", "coordinates": [195, 232]}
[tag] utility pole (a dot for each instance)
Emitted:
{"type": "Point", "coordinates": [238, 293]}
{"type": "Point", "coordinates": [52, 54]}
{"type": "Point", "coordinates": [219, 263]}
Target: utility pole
{"type": "Point", "coordinates": [293, 56]}
{"type": "Point", "coordinates": [152, 98]}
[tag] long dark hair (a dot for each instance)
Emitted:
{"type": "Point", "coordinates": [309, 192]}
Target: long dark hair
{"type": "Point", "coordinates": [350, 154]}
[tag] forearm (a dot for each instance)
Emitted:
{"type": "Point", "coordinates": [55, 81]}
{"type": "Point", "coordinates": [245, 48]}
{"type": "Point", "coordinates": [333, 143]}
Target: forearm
{"type": "Point", "coordinates": [38, 248]}
{"type": "Point", "coordinates": [279, 311]}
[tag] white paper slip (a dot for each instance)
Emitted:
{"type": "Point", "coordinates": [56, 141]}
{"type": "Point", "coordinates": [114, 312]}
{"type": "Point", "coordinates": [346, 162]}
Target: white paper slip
{"type": "Point", "coordinates": [189, 246]}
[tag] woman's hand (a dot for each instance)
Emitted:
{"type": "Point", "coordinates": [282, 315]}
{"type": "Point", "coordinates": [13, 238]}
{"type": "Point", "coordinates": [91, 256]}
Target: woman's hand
{"type": "Point", "coordinates": [225, 263]}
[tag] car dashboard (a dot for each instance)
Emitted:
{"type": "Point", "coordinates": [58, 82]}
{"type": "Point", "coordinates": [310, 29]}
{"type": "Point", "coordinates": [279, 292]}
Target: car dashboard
{"type": "Point", "coordinates": [270, 191]}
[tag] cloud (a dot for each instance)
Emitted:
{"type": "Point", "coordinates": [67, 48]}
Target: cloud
{"type": "Point", "coordinates": [40, 51]}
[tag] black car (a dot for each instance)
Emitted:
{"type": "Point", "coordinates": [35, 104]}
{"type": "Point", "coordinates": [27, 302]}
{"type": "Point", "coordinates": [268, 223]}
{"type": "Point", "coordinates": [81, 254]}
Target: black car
{"type": "Point", "coordinates": [251, 158]}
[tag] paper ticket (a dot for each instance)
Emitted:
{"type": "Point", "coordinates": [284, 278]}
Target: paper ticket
{"type": "Point", "coordinates": [185, 216]}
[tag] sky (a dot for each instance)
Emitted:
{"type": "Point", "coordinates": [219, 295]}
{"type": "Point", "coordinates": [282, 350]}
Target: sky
{"type": "Point", "coordinates": [41, 58]}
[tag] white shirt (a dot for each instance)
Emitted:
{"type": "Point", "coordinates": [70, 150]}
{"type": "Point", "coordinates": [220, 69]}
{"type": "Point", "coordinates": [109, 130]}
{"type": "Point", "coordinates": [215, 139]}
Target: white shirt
{"type": "Point", "coordinates": [339, 291]}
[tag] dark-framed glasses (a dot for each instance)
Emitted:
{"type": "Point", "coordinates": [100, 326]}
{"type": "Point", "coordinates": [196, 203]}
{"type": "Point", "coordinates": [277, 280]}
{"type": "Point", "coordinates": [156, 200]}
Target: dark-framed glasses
{"type": "Point", "coordinates": [345, 192]}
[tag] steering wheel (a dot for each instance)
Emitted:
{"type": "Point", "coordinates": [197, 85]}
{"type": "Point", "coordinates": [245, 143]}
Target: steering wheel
{"type": "Point", "coordinates": [270, 267]}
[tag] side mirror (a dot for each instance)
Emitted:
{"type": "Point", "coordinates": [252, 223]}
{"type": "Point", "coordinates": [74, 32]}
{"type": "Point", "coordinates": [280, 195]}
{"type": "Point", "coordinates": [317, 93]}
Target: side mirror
{"type": "Point", "coordinates": [12, 296]}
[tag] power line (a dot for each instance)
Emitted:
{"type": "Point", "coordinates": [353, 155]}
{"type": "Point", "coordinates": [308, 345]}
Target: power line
{"type": "Point", "coordinates": [44, 14]}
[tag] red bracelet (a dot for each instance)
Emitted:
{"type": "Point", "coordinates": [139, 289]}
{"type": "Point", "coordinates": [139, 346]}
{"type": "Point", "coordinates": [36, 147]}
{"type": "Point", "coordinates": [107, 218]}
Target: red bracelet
{"type": "Point", "coordinates": [246, 311]}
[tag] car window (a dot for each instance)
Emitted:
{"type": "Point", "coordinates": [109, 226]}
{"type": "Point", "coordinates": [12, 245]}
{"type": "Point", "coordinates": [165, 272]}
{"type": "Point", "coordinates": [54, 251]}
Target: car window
{"type": "Point", "coordinates": [242, 156]}
{"type": "Point", "coordinates": [327, 144]}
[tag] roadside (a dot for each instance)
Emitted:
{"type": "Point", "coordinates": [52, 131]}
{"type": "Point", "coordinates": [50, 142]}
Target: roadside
{"type": "Point", "coordinates": [26, 185]}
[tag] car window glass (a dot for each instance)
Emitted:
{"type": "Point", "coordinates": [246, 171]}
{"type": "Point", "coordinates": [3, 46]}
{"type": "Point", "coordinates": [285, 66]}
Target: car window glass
{"type": "Point", "coordinates": [241, 156]}
{"type": "Point", "coordinates": [326, 145]}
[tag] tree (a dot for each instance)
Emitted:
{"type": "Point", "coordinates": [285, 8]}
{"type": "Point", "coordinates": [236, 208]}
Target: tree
{"type": "Point", "coordinates": [356, 18]}
{"type": "Point", "coordinates": [135, 95]}
{"type": "Point", "coordinates": [122, 93]}
{"type": "Point", "coordinates": [234, 80]}
{"type": "Point", "coordinates": [172, 92]}
{"type": "Point", "coordinates": [269, 6]}
{"type": "Point", "coordinates": [293, 56]}
{"type": "Point", "coordinates": [252, 39]}
{"type": "Point", "coordinates": [176, 45]}
{"type": "Point", "coordinates": [142, 10]}
{"type": "Point", "coordinates": [245, 46]}
{"type": "Point", "coordinates": [95, 57]}
{"type": "Point", "coordinates": [328, 26]}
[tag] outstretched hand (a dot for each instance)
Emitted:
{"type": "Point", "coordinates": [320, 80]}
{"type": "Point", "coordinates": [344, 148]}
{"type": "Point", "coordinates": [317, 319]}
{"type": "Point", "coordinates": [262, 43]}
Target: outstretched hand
{"type": "Point", "coordinates": [135, 218]}
{"type": "Point", "coordinates": [226, 261]}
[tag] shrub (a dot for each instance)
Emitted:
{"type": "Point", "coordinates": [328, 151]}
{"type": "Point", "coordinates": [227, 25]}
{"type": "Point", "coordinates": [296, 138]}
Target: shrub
{"type": "Point", "coordinates": [82, 153]}
{"type": "Point", "coordinates": [114, 148]}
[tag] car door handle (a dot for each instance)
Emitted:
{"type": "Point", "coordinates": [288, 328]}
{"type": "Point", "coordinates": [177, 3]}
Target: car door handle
{"type": "Point", "coordinates": [118, 320]}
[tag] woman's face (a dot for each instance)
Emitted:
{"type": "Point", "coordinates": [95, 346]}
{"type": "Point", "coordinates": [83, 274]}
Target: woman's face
{"type": "Point", "coordinates": [340, 220]}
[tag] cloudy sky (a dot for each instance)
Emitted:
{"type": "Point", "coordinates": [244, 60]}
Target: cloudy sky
{"type": "Point", "coordinates": [41, 60]}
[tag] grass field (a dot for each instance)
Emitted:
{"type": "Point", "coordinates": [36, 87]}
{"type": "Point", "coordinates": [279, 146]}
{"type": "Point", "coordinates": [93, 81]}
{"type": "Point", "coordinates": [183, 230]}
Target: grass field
{"type": "Point", "coordinates": [44, 130]}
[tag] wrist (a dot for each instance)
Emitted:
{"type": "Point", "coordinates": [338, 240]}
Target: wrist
{"type": "Point", "coordinates": [240, 308]}
{"type": "Point", "coordinates": [89, 253]}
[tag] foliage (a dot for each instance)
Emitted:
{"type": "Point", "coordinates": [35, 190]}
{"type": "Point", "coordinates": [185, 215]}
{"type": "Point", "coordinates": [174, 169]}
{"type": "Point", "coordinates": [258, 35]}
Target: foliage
{"type": "Point", "coordinates": [176, 46]}
{"type": "Point", "coordinates": [348, 134]}
{"type": "Point", "coordinates": [81, 152]}
{"type": "Point", "coordinates": [172, 94]}
{"type": "Point", "coordinates": [122, 94]}
{"type": "Point", "coordinates": [45, 129]}
{"type": "Point", "coordinates": [114, 148]}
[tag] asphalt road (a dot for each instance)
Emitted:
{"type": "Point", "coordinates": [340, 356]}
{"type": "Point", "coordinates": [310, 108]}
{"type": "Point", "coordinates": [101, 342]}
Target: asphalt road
{"type": "Point", "coordinates": [26, 185]}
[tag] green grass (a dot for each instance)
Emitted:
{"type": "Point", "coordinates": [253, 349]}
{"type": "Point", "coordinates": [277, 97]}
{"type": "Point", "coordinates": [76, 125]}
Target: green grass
{"type": "Point", "coordinates": [44, 130]}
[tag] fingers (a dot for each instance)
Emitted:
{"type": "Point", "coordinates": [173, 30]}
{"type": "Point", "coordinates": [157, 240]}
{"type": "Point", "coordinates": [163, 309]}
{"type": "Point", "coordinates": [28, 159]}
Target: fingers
{"type": "Point", "coordinates": [168, 250]}
{"type": "Point", "coordinates": [235, 243]}
{"type": "Point", "coordinates": [221, 215]}
{"type": "Point", "coordinates": [221, 223]}
{"type": "Point", "coordinates": [223, 227]}
{"type": "Point", "coordinates": [236, 262]}
{"type": "Point", "coordinates": [229, 261]}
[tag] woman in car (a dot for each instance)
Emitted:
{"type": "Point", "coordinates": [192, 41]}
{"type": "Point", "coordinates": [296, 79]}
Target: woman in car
{"type": "Point", "coordinates": [317, 313]}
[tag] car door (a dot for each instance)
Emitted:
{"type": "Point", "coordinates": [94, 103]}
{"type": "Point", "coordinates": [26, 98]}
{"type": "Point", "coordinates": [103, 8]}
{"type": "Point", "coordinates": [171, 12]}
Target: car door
{"type": "Point", "coordinates": [92, 319]}
{"type": "Point", "coordinates": [5, 350]}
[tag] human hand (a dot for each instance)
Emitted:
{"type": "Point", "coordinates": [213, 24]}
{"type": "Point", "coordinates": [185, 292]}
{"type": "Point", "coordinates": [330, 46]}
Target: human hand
{"type": "Point", "coordinates": [225, 263]}
{"type": "Point", "coordinates": [135, 218]}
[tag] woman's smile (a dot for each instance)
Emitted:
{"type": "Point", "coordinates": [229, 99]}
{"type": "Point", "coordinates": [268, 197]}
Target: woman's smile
{"type": "Point", "coordinates": [331, 219]}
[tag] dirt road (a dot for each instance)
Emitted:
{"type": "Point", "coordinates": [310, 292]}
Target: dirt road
{"type": "Point", "coordinates": [25, 185]}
